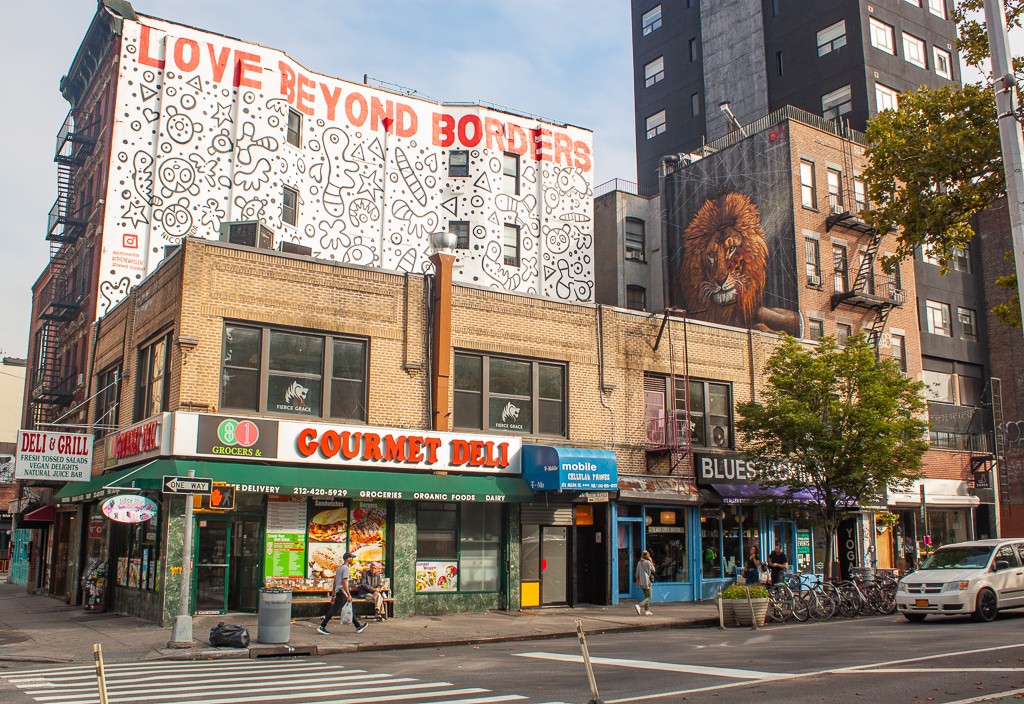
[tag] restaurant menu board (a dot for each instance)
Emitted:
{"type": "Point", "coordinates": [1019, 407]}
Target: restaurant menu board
{"type": "Point", "coordinates": [367, 529]}
{"type": "Point", "coordinates": [285, 558]}
{"type": "Point", "coordinates": [328, 542]}
{"type": "Point", "coordinates": [437, 576]}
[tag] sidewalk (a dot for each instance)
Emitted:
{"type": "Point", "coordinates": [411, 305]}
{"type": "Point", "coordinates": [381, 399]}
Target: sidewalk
{"type": "Point", "coordinates": [40, 629]}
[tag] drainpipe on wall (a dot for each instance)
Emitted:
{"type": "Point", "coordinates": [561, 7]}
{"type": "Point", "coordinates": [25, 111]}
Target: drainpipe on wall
{"type": "Point", "coordinates": [441, 340]}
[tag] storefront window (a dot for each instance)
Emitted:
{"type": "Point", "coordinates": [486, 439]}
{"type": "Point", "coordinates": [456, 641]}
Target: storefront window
{"type": "Point", "coordinates": [458, 548]}
{"type": "Point", "coordinates": [666, 541]}
{"type": "Point", "coordinates": [509, 395]}
{"type": "Point", "coordinates": [711, 542]}
{"type": "Point", "coordinates": [134, 548]}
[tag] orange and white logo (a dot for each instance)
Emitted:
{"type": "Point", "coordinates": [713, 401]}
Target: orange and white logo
{"type": "Point", "coordinates": [130, 241]}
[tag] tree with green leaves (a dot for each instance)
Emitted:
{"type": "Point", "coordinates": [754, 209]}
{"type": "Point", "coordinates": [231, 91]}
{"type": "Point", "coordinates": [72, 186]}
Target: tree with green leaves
{"type": "Point", "coordinates": [835, 423]}
{"type": "Point", "coordinates": [935, 162]}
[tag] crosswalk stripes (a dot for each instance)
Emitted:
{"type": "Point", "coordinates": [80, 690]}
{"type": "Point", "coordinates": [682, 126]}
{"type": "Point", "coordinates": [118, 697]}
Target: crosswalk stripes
{"type": "Point", "coordinates": [235, 681]}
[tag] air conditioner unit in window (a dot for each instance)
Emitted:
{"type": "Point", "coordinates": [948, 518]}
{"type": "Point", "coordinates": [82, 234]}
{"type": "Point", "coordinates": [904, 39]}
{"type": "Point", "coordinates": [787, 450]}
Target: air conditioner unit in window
{"type": "Point", "coordinates": [634, 255]}
{"type": "Point", "coordinates": [250, 233]}
{"type": "Point", "coordinates": [813, 280]}
{"type": "Point", "coordinates": [837, 209]}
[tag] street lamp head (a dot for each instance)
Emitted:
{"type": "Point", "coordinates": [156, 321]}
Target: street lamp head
{"type": "Point", "coordinates": [443, 241]}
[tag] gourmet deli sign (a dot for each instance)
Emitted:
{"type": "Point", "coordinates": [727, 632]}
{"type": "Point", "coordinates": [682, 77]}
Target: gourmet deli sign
{"type": "Point", "coordinates": [297, 442]}
{"type": "Point", "coordinates": [64, 457]}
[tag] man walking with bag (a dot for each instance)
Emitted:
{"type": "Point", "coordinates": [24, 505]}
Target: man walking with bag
{"type": "Point", "coordinates": [342, 596]}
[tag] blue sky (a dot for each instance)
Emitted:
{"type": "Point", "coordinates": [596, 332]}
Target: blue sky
{"type": "Point", "coordinates": [568, 60]}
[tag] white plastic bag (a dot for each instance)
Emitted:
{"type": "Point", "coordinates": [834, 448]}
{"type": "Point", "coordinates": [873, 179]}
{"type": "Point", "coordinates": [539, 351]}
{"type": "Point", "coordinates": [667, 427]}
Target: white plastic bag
{"type": "Point", "coordinates": [346, 612]}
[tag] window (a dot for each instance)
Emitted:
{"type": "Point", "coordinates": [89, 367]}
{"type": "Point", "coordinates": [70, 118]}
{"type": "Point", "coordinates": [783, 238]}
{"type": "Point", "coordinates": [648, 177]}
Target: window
{"type": "Point", "coordinates": [294, 128]}
{"type": "Point", "coordinates": [812, 261]}
{"type": "Point", "coordinates": [651, 20]}
{"type": "Point", "coordinates": [882, 36]}
{"type": "Point", "coordinates": [459, 228]}
{"type": "Point", "coordinates": [914, 51]}
{"type": "Point", "coordinates": [938, 386]}
{"type": "Point", "coordinates": [943, 62]}
{"type": "Point", "coordinates": [152, 378]}
{"type": "Point", "coordinates": [290, 206]}
{"type": "Point", "coordinates": [509, 395]}
{"type": "Point", "coordinates": [458, 163]}
{"type": "Point", "coordinates": [843, 333]}
{"type": "Point", "coordinates": [808, 198]}
{"type": "Point", "coordinates": [135, 551]}
{"type": "Point", "coordinates": [655, 124]}
{"type": "Point", "coordinates": [899, 352]}
{"type": "Point", "coordinates": [886, 98]}
{"type": "Point", "coordinates": [915, 3]}
{"type": "Point", "coordinates": [460, 544]}
{"type": "Point", "coordinates": [778, 63]}
{"type": "Point", "coordinates": [834, 183]}
{"type": "Point", "coordinates": [815, 329]}
{"type": "Point", "coordinates": [961, 259]}
{"type": "Point", "coordinates": [968, 323]}
{"type": "Point", "coordinates": [108, 399]}
{"type": "Point", "coordinates": [893, 279]}
{"type": "Point", "coordinates": [695, 104]}
{"type": "Point", "coordinates": [860, 194]}
{"type": "Point", "coordinates": [276, 371]}
{"type": "Point", "coordinates": [510, 174]}
{"type": "Point", "coordinates": [840, 268]}
{"type": "Point", "coordinates": [838, 102]}
{"type": "Point", "coordinates": [969, 384]}
{"type": "Point", "coordinates": [636, 298]}
{"type": "Point", "coordinates": [937, 7]}
{"type": "Point", "coordinates": [692, 45]}
{"type": "Point", "coordinates": [510, 244]}
{"type": "Point", "coordinates": [636, 240]}
{"type": "Point", "coordinates": [710, 412]}
{"type": "Point", "coordinates": [928, 255]}
{"type": "Point", "coordinates": [973, 442]}
{"type": "Point", "coordinates": [832, 37]}
{"type": "Point", "coordinates": [654, 71]}
{"type": "Point", "coordinates": [937, 318]}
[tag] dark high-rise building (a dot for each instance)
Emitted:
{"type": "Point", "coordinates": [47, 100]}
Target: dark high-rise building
{"type": "Point", "coordinates": [846, 59]}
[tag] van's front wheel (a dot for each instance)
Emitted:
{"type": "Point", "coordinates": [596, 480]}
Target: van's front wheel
{"type": "Point", "coordinates": [986, 606]}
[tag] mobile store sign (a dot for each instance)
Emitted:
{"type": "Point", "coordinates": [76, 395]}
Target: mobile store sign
{"type": "Point", "coordinates": [49, 456]}
{"type": "Point", "coordinates": [300, 442]}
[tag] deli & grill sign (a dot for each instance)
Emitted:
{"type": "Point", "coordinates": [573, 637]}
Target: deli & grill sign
{"type": "Point", "coordinates": [50, 456]}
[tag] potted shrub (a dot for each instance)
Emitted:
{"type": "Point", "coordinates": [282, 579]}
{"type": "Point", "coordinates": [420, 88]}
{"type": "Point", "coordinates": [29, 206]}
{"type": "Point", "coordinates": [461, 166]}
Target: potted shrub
{"type": "Point", "coordinates": [736, 609]}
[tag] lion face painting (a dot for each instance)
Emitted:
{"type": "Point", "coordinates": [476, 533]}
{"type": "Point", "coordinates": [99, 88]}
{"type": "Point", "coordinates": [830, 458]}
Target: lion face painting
{"type": "Point", "coordinates": [725, 259]}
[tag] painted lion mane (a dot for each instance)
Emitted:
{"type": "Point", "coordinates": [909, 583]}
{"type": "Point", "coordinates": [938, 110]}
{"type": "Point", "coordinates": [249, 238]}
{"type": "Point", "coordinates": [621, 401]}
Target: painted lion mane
{"type": "Point", "coordinates": [725, 259]}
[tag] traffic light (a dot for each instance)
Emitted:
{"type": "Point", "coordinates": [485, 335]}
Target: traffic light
{"type": "Point", "coordinates": [221, 499]}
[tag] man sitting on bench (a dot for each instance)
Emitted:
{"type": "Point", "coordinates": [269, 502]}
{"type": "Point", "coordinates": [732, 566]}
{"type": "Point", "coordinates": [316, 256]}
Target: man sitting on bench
{"type": "Point", "coordinates": [372, 587]}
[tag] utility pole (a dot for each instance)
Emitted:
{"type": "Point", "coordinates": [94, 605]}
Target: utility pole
{"type": "Point", "coordinates": [1005, 84]}
{"type": "Point", "coordinates": [181, 635]}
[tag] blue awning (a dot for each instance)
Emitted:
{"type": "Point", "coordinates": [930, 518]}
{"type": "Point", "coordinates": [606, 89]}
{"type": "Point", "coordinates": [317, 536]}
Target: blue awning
{"type": "Point", "coordinates": [548, 468]}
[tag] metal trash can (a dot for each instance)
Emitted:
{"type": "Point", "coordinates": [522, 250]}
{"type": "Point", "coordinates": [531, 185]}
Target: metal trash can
{"type": "Point", "coordinates": [275, 617]}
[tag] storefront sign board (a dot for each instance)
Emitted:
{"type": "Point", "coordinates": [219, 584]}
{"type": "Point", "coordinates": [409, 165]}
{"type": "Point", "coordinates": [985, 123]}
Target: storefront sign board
{"type": "Point", "coordinates": [145, 439]}
{"type": "Point", "coordinates": [724, 469]}
{"type": "Point", "coordinates": [569, 469]}
{"type": "Point", "coordinates": [129, 508]}
{"type": "Point", "coordinates": [44, 455]}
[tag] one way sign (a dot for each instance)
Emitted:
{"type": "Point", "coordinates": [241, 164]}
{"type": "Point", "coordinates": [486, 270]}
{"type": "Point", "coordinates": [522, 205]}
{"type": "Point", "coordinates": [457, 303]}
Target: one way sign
{"type": "Point", "coordinates": [187, 485]}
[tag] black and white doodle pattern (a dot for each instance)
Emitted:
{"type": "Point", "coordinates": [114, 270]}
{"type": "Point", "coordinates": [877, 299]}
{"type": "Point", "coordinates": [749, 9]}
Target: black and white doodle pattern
{"type": "Point", "coordinates": [193, 152]}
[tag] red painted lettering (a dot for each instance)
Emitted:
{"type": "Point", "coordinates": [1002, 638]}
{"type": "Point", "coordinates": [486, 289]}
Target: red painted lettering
{"type": "Point", "coordinates": [495, 134]}
{"type": "Point", "coordinates": [544, 147]}
{"type": "Point", "coordinates": [516, 140]}
{"type": "Point", "coordinates": [465, 122]}
{"type": "Point", "coordinates": [287, 81]}
{"type": "Point", "coordinates": [582, 152]}
{"type": "Point", "coordinates": [246, 63]}
{"type": "Point", "coordinates": [444, 129]}
{"type": "Point", "coordinates": [304, 95]}
{"type": "Point", "coordinates": [353, 102]}
{"type": "Point", "coordinates": [503, 454]}
{"type": "Point", "coordinates": [219, 62]}
{"type": "Point", "coordinates": [563, 148]}
{"type": "Point", "coordinates": [534, 142]}
{"type": "Point", "coordinates": [306, 443]}
{"type": "Point", "coordinates": [407, 122]}
{"type": "Point", "coordinates": [332, 97]}
{"type": "Point", "coordinates": [186, 64]}
{"type": "Point", "coordinates": [381, 114]}
{"type": "Point", "coordinates": [145, 58]}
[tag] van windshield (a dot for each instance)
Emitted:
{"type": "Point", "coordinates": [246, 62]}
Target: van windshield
{"type": "Point", "coordinates": [958, 558]}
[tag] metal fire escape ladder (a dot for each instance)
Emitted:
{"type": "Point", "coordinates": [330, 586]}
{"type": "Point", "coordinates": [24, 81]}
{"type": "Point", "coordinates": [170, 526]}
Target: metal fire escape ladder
{"type": "Point", "coordinates": [674, 435]}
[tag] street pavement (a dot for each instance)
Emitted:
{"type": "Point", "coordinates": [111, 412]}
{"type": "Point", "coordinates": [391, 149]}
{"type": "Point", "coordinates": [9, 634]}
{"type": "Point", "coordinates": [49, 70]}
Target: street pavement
{"type": "Point", "coordinates": [39, 629]}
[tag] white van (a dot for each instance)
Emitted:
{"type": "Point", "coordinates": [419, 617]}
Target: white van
{"type": "Point", "coordinates": [978, 578]}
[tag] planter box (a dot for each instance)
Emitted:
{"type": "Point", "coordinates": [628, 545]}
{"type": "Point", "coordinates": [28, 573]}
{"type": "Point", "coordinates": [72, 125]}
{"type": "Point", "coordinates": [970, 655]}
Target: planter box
{"type": "Point", "coordinates": [740, 611]}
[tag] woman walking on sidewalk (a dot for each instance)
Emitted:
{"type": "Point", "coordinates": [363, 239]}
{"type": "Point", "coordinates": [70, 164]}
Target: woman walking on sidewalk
{"type": "Point", "coordinates": [644, 578]}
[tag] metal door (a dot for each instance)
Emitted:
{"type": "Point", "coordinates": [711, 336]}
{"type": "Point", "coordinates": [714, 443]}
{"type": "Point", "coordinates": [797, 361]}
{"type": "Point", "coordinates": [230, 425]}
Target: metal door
{"type": "Point", "coordinates": [213, 565]}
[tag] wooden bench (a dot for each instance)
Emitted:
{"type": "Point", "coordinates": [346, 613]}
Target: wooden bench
{"type": "Point", "coordinates": [322, 597]}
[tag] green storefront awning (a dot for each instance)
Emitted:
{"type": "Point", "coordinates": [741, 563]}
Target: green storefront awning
{"type": "Point", "coordinates": [298, 480]}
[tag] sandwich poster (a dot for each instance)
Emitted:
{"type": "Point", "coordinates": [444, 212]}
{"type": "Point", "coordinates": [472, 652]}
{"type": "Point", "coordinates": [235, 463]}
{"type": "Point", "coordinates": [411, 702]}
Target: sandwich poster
{"type": "Point", "coordinates": [328, 542]}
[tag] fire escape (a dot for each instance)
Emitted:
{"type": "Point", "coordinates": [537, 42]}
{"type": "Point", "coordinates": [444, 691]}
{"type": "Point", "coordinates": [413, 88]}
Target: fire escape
{"type": "Point", "coordinates": [667, 431]}
{"type": "Point", "coordinates": [865, 293]}
{"type": "Point", "coordinates": [62, 297]}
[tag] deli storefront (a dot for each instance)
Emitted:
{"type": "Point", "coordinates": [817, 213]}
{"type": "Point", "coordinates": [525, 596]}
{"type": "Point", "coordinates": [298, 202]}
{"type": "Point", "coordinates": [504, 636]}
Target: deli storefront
{"type": "Point", "coordinates": [439, 510]}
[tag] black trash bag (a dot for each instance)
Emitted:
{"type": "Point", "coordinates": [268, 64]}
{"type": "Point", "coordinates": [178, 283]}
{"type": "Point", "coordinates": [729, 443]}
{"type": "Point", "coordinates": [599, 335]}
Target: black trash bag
{"type": "Point", "coordinates": [229, 635]}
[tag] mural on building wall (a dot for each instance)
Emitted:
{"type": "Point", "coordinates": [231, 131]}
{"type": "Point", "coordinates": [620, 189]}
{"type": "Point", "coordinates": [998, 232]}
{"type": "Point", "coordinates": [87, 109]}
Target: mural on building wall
{"type": "Point", "coordinates": [730, 235]}
{"type": "Point", "coordinates": [201, 139]}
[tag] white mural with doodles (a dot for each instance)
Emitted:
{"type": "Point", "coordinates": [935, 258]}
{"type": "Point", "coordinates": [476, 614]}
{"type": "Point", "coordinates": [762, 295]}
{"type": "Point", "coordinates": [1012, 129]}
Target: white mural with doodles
{"type": "Point", "coordinates": [201, 139]}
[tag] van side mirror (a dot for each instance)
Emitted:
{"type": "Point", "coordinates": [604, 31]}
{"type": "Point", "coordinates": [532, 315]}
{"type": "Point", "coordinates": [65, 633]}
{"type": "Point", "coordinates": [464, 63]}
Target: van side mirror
{"type": "Point", "coordinates": [1002, 565]}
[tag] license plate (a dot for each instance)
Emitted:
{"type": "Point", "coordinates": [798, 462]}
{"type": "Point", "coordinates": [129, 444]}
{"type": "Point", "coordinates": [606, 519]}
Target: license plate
{"type": "Point", "coordinates": [922, 603]}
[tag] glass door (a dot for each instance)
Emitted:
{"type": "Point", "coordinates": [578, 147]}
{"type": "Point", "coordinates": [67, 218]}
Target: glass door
{"type": "Point", "coordinates": [628, 553]}
{"type": "Point", "coordinates": [554, 565]}
{"type": "Point", "coordinates": [246, 551]}
{"type": "Point", "coordinates": [212, 565]}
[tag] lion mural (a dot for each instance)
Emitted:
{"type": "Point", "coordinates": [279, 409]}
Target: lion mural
{"type": "Point", "coordinates": [725, 264]}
